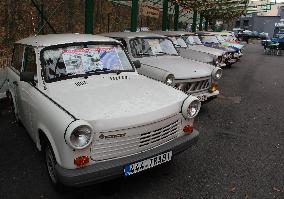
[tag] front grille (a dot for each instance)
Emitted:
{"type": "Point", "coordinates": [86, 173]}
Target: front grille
{"type": "Point", "coordinates": [132, 143]}
{"type": "Point", "coordinates": [194, 86]}
{"type": "Point", "coordinates": [158, 135]}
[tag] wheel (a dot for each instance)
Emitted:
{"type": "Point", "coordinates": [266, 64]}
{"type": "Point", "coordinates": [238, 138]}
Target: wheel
{"type": "Point", "coordinates": [50, 162]}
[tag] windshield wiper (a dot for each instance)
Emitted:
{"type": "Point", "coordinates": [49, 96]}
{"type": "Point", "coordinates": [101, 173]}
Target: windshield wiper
{"type": "Point", "coordinates": [102, 71]}
{"type": "Point", "coordinates": [143, 54]}
{"type": "Point", "coordinates": [161, 53]}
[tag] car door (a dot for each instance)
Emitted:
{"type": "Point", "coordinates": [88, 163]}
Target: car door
{"type": "Point", "coordinates": [28, 90]}
{"type": "Point", "coordinates": [14, 77]}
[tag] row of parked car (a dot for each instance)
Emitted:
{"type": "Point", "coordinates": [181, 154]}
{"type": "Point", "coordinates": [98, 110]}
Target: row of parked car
{"type": "Point", "coordinates": [101, 106]}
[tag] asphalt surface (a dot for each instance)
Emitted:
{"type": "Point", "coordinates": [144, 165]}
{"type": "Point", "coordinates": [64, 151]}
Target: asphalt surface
{"type": "Point", "coordinates": [240, 154]}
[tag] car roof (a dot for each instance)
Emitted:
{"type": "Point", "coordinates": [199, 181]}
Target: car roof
{"type": "Point", "coordinates": [56, 39]}
{"type": "Point", "coordinates": [131, 34]}
{"type": "Point", "coordinates": [174, 33]}
{"type": "Point", "coordinates": [204, 33]}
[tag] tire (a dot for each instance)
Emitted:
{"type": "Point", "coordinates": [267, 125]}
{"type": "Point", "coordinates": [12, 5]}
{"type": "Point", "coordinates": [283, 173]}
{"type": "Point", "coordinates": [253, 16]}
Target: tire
{"type": "Point", "coordinates": [50, 163]}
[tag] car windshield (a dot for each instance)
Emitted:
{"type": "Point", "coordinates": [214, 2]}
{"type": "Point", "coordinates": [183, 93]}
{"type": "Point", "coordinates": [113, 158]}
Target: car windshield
{"type": "Point", "coordinates": [209, 39]}
{"type": "Point", "coordinates": [143, 47]}
{"type": "Point", "coordinates": [228, 37]}
{"type": "Point", "coordinates": [178, 42]}
{"type": "Point", "coordinates": [192, 40]}
{"type": "Point", "coordinates": [220, 38]}
{"type": "Point", "coordinates": [83, 59]}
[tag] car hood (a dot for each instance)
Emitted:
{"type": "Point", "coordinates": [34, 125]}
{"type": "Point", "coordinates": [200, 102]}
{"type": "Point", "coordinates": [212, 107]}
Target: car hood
{"type": "Point", "coordinates": [195, 55]}
{"type": "Point", "coordinates": [206, 49]}
{"type": "Point", "coordinates": [182, 68]}
{"type": "Point", "coordinates": [133, 100]}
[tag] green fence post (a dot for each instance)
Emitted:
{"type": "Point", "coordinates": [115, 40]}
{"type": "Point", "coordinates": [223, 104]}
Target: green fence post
{"type": "Point", "coordinates": [89, 16]}
{"type": "Point", "coordinates": [193, 27]}
{"type": "Point", "coordinates": [165, 15]}
{"type": "Point", "coordinates": [201, 22]}
{"type": "Point", "coordinates": [134, 15]}
{"type": "Point", "coordinates": [176, 16]}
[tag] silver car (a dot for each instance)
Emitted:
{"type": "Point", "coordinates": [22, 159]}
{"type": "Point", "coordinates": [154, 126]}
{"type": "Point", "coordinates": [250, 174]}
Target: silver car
{"type": "Point", "coordinates": [160, 60]}
{"type": "Point", "coordinates": [183, 49]}
{"type": "Point", "coordinates": [194, 43]}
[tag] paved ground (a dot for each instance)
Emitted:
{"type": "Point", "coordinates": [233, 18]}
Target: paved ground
{"type": "Point", "coordinates": [239, 155]}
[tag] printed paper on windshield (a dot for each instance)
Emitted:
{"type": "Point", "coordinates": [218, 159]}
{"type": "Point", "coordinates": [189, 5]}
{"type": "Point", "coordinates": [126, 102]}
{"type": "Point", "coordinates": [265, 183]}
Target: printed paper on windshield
{"type": "Point", "coordinates": [155, 46]}
{"type": "Point", "coordinates": [80, 61]}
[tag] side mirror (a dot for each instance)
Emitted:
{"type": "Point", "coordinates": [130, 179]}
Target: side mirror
{"type": "Point", "coordinates": [137, 64]}
{"type": "Point", "coordinates": [27, 77]}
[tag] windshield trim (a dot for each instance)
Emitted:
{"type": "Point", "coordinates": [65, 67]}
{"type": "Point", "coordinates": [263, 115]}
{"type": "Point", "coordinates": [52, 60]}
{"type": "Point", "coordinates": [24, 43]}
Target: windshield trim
{"type": "Point", "coordinates": [82, 75]}
{"type": "Point", "coordinates": [153, 37]}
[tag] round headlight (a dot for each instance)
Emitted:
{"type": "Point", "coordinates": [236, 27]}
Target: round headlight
{"type": "Point", "coordinates": [191, 107]}
{"type": "Point", "coordinates": [80, 137]}
{"type": "Point", "coordinates": [170, 80]}
{"type": "Point", "coordinates": [217, 73]}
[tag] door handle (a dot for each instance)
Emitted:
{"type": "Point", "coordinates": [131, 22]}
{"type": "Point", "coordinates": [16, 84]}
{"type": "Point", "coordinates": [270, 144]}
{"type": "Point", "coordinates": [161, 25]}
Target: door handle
{"type": "Point", "coordinates": [15, 83]}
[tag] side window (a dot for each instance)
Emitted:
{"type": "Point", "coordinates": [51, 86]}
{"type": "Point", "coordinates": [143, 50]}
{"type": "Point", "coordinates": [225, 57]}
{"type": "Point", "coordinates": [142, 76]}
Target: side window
{"type": "Point", "coordinates": [18, 57]}
{"type": "Point", "coordinates": [30, 60]}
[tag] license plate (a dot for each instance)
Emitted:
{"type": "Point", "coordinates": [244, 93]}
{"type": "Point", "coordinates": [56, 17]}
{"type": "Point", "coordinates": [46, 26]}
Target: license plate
{"type": "Point", "coordinates": [202, 98]}
{"type": "Point", "coordinates": [147, 164]}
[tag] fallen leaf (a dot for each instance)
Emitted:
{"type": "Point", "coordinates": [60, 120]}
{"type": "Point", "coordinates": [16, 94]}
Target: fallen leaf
{"type": "Point", "coordinates": [276, 189]}
{"type": "Point", "coordinates": [233, 189]}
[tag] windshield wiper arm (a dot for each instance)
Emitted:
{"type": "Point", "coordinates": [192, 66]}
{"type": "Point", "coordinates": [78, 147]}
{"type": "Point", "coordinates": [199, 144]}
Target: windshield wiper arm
{"type": "Point", "coordinates": [103, 71]}
{"type": "Point", "coordinates": [141, 54]}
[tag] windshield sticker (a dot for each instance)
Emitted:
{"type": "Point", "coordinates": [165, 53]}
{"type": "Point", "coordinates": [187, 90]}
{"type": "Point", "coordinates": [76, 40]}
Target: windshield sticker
{"type": "Point", "coordinates": [80, 61]}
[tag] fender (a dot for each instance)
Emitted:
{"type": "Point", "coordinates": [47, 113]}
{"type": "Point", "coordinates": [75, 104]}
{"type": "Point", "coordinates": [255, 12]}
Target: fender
{"type": "Point", "coordinates": [41, 128]}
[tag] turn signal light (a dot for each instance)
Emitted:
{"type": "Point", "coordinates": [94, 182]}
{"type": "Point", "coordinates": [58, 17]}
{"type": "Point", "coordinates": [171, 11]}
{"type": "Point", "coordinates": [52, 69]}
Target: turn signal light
{"type": "Point", "coordinates": [213, 87]}
{"type": "Point", "coordinates": [81, 161]}
{"type": "Point", "coordinates": [188, 129]}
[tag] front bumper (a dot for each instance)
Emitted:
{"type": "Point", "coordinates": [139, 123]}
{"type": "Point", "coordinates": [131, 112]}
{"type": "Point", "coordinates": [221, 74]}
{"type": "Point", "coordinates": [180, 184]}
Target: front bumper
{"type": "Point", "coordinates": [231, 61]}
{"type": "Point", "coordinates": [206, 97]}
{"type": "Point", "coordinates": [221, 65]}
{"type": "Point", "coordinates": [107, 170]}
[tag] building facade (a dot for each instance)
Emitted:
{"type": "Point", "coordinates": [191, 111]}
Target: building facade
{"type": "Point", "coordinates": [260, 20]}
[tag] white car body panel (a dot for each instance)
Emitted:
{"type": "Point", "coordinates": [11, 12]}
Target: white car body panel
{"type": "Point", "coordinates": [185, 70]}
{"type": "Point", "coordinates": [108, 102]}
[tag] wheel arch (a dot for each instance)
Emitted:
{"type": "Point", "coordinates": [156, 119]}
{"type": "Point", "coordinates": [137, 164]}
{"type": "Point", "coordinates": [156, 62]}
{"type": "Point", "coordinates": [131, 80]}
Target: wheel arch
{"type": "Point", "coordinates": [43, 139]}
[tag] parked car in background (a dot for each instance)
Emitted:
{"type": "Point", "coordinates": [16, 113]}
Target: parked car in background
{"type": "Point", "coordinates": [83, 104]}
{"type": "Point", "coordinates": [238, 47]}
{"type": "Point", "coordinates": [212, 41]}
{"type": "Point", "coordinates": [161, 61]}
{"type": "Point", "coordinates": [194, 43]}
{"type": "Point", "coordinates": [183, 49]}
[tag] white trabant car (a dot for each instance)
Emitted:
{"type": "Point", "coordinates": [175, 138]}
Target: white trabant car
{"type": "Point", "coordinates": [161, 61]}
{"type": "Point", "coordinates": [194, 43]}
{"type": "Point", "coordinates": [83, 104]}
{"type": "Point", "coordinates": [185, 51]}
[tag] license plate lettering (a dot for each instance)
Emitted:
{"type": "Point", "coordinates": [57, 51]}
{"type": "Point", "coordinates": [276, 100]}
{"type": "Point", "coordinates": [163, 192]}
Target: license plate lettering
{"type": "Point", "coordinates": [147, 164]}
